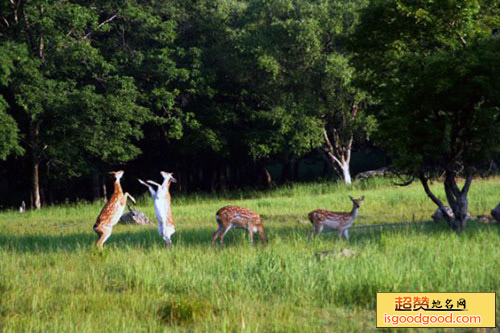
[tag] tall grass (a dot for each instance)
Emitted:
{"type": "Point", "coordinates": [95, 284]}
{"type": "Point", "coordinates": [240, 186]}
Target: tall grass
{"type": "Point", "coordinates": [53, 278]}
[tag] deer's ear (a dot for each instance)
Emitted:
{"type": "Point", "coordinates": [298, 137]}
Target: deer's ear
{"type": "Point", "coordinates": [362, 198]}
{"type": "Point", "coordinates": [352, 199]}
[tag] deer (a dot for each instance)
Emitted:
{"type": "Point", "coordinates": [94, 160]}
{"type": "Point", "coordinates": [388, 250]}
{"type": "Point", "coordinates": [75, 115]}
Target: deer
{"type": "Point", "coordinates": [112, 211]}
{"type": "Point", "coordinates": [341, 221]}
{"type": "Point", "coordinates": [239, 217]}
{"type": "Point", "coordinates": [163, 205]}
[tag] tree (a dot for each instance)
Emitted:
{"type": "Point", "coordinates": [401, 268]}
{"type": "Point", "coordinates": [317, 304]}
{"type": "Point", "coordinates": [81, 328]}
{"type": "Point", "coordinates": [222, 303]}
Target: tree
{"type": "Point", "coordinates": [434, 67]}
{"type": "Point", "coordinates": [69, 99]}
{"type": "Point", "coordinates": [9, 131]}
{"type": "Point", "coordinates": [342, 110]}
{"type": "Point", "coordinates": [303, 83]}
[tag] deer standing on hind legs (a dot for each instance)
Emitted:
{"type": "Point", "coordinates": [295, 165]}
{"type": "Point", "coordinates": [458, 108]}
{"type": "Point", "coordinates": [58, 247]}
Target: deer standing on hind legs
{"type": "Point", "coordinates": [341, 221]}
{"type": "Point", "coordinates": [163, 205]}
{"type": "Point", "coordinates": [239, 217]}
{"type": "Point", "coordinates": [112, 211]}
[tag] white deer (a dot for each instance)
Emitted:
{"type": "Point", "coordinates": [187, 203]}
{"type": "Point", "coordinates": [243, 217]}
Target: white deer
{"type": "Point", "coordinates": [163, 205]}
{"type": "Point", "coordinates": [340, 221]}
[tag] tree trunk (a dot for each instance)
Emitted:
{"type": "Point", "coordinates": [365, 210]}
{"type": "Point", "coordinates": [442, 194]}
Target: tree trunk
{"type": "Point", "coordinates": [296, 167]}
{"type": "Point", "coordinates": [457, 199]}
{"type": "Point", "coordinates": [286, 171]}
{"type": "Point", "coordinates": [35, 168]}
{"type": "Point", "coordinates": [338, 154]}
{"type": "Point", "coordinates": [222, 178]}
{"type": "Point", "coordinates": [346, 173]}
{"type": "Point", "coordinates": [268, 180]}
{"type": "Point", "coordinates": [36, 183]}
{"type": "Point", "coordinates": [213, 181]}
{"type": "Point", "coordinates": [104, 189]}
{"type": "Point", "coordinates": [95, 187]}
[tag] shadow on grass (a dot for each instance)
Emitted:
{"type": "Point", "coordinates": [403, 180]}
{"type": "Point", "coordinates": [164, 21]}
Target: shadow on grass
{"type": "Point", "coordinates": [146, 237]}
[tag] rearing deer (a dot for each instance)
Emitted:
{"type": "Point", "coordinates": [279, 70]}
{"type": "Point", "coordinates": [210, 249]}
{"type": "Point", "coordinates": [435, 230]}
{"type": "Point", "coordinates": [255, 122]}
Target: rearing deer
{"type": "Point", "coordinates": [239, 217]}
{"type": "Point", "coordinates": [163, 205]}
{"type": "Point", "coordinates": [112, 211]}
{"type": "Point", "coordinates": [341, 221]}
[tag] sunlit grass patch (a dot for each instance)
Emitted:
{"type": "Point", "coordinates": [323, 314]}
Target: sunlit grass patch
{"type": "Point", "coordinates": [53, 278]}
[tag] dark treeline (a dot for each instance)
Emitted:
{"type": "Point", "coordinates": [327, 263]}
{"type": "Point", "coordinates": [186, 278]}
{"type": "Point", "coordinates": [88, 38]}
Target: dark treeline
{"type": "Point", "coordinates": [232, 93]}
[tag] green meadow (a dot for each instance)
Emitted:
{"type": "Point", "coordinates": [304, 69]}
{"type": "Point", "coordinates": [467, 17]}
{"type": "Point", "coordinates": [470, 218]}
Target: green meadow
{"type": "Point", "coordinates": [52, 278]}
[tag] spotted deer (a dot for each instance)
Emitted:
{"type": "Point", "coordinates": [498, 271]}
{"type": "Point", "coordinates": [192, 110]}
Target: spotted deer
{"type": "Point", "coordinates": [341, 221]}
{"type": "Point", "coordinates": [163, 205]}
{"type": "Point", "coordinates": [239, 217]}
{"type": "Point", "coordinates": [112, 211]}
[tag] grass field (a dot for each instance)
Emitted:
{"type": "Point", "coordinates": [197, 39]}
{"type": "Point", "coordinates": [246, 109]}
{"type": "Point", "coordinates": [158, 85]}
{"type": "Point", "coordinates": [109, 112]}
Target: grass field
{"type": "Point", "coordinates": [53, 279]}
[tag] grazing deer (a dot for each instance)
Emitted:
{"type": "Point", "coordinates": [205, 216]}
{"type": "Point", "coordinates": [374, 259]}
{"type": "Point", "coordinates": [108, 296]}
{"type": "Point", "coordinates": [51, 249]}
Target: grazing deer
{"type": "Point", "coordinates": [163, 205]}
{"type": "Point", "coordinates": [239, 217]}
{"type": "Point", "coordinates": [112, 211]}
{"type": "Point", "coordinates": [341, 221]}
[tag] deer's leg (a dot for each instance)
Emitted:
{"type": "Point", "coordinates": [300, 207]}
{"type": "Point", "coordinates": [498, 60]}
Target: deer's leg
{"type": "Point", "coordinates": [99, 235]}
{"type": "Point", "coordinates": [250, 234]}
{"type": "Point", "coordinates": [310, 234]}
{"type": "Point", "coordinates": [223, 233]}
{"type": "Point", "coordinates": [340, 231]}
{"type": "Point", "coordinates": [346, 233]}
{"type": "Point", "coordinates": [216, 234]}
{"type": "Point", "coordinates": [318, 229]}
{"type": "Point", "coordinates": [131, 197]}
{"type": "Point", "coordinates": [168, 231]}
{"type": "Point", "coordinates": [103, 235]}
{"type": "Point", "coordinates": [168, 241]}
{"type": "Point", "coordinates": [314, 232]}
{"type": "Point", "coordinates": [151, 190]}
{"type": "Point", "coordinates": [154, 183]}
{"type": "Point", "coordinates": [262, 235]}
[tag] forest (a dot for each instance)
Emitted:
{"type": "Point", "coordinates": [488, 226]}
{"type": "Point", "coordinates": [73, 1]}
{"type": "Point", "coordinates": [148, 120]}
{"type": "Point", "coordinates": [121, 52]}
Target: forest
{"type": "Point", "coordinates": [228, 94]}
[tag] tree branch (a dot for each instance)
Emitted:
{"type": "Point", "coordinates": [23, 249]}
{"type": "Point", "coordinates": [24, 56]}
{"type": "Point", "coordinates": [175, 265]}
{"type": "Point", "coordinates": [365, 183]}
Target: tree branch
{"type": "Point", "coordinates": [468, 182]}
{"type": "Point", "coordinates": [407, 182]}
{"type": "Point", "coordinates": [325, 156]}
{"type": "Point", "coordinates": [354, 111]}
{"type": "Point", "coordinates": [428, 191]}
{"type": "Point", "coordinates": [6, 21]}
{"type": "Point", "coordinates": [462, 40]}
{"type": "Point", "coordinates": [438, 202]}
{"type": "Point", "coordinates": [28, 31]}
{"type": "Point", "coordinates": [41, 44]}
{"type": "Point", "coordinates": [349, 148]}
{"type": "Point", "coordinates": [16, 8]}
{"type": "Point", "coordinates": [100, 25]}
{"type": "Point", "coordinates": [452, 184]}
{"type": "Point", "coordinates": [329, 148]}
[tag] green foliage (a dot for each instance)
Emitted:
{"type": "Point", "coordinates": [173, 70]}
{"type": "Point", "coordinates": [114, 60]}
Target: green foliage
{"type": "Point", "coordinates": [86, 86]}
{"type": "Point", "coordinates": [70, 81]}
{"type": "Point", "coordinates": [9, 131]}
{"type": "Point", "coordinates": [296, 51]}
{"type": "Point", "coordinates": [434, 68]}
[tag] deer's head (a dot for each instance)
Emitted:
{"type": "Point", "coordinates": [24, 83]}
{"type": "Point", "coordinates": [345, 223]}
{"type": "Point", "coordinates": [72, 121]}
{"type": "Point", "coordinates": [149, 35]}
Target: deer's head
{"type": "Point", "coordinates": [356, 202]}
{"type": "Point", "coordinates": [117, 174]}
{"type": "Point", "coordinates": [168, 176]}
